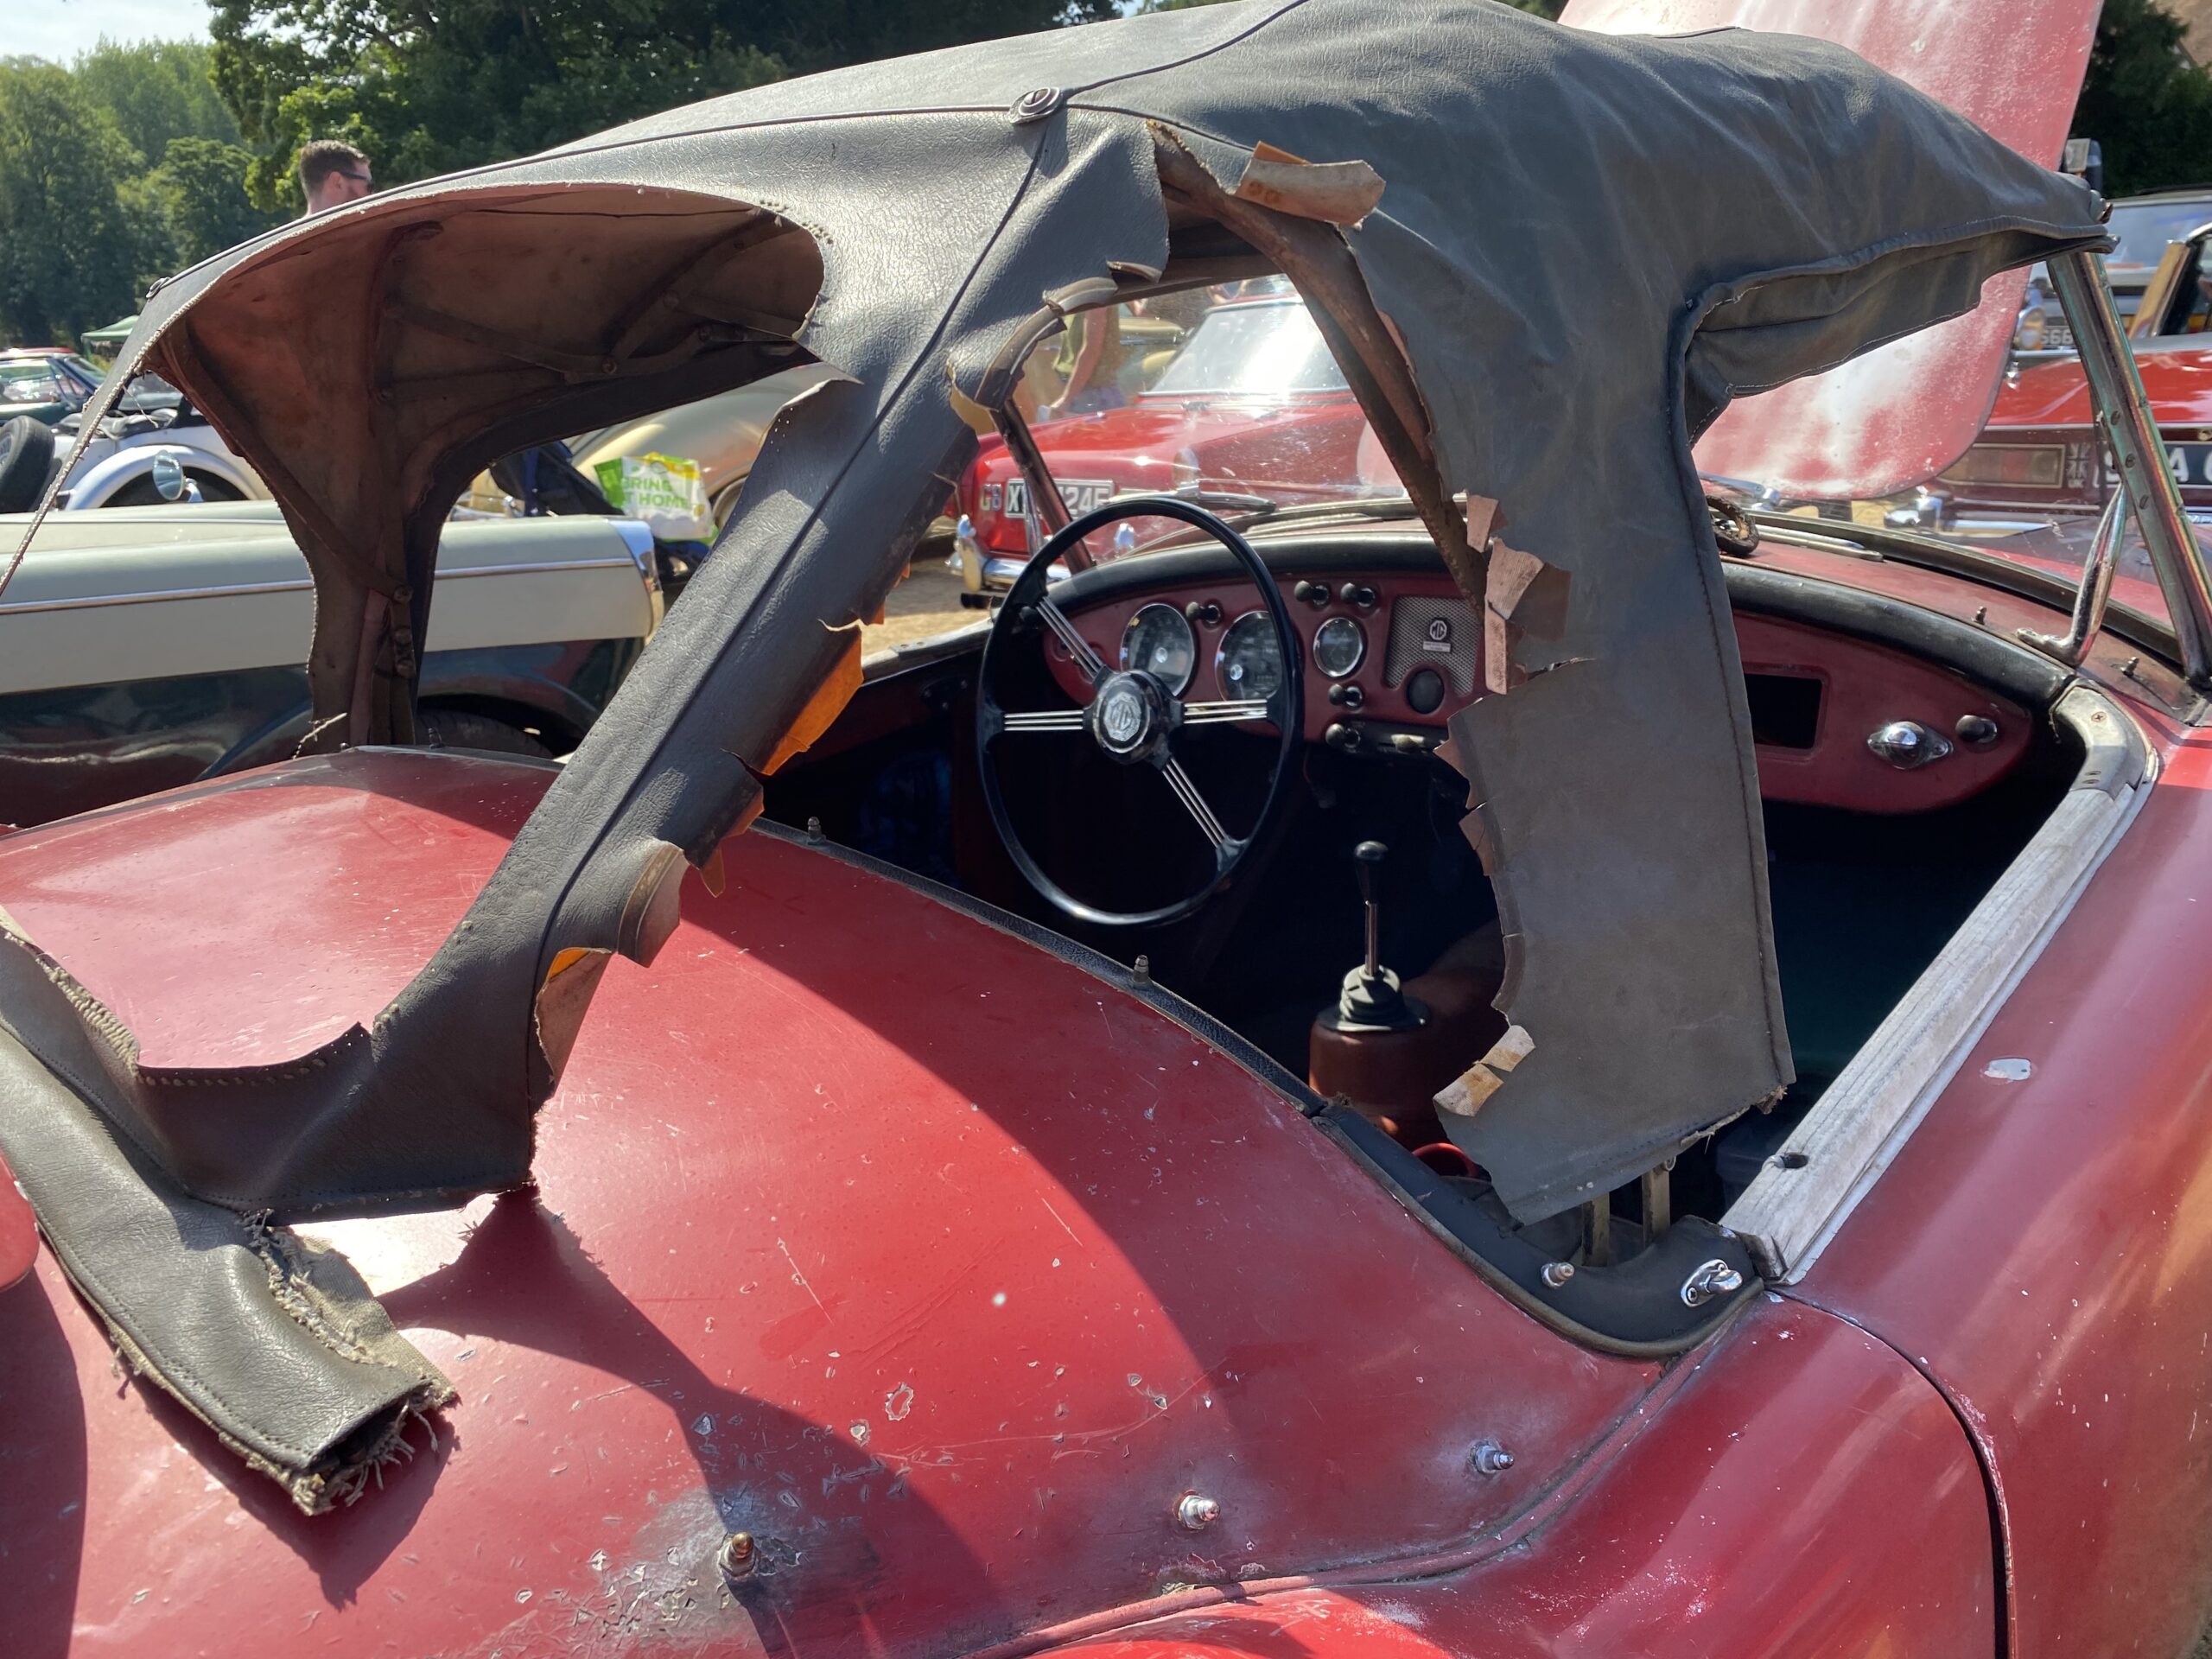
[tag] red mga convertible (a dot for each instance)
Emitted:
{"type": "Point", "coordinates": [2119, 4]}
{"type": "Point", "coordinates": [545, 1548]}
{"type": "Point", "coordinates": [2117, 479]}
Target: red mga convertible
{"type": "Point", "coordinates": [1546, 1065]}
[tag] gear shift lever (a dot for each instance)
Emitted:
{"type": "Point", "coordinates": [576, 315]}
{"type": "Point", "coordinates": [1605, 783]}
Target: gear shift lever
{"type": "Point", "coordinates": [1366, 864]}
{"type": "Point", "coordinates": [1371, 999]}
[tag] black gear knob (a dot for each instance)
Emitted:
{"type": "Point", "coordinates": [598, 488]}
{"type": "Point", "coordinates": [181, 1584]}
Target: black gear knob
{"type": "Point", "coordinates": [1368, 859]}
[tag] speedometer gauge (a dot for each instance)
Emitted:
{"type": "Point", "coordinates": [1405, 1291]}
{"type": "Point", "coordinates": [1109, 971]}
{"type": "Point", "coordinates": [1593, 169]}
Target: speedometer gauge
{"type": "Point", "coordinates": [1339, 645]}
{"type": "Point", "coordinates": [1158, 641]}
{"type": "Point", "coordinates": [1250, 663]}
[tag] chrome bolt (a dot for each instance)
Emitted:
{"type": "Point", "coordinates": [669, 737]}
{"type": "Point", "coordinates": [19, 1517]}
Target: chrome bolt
{"type": "Point", "coordinates": [1710, 1280]}
{"type": "Point", "coordinates": [1489, 1458]}
{"type": "Point", "coordinates": [1195, 1512]}
{"type": "Point", "coordinates": [814, 829]}
{"type": "Point", "coordinates": [1558, 1272]}
{"type": "Point", "coordinates": [1907, 745]}
{"type": "Point", "coordinates": [737, 1556]}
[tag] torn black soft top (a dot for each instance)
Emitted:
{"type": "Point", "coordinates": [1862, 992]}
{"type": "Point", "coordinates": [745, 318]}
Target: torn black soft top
{"type": "Point", "coordinates": [1586, 246]}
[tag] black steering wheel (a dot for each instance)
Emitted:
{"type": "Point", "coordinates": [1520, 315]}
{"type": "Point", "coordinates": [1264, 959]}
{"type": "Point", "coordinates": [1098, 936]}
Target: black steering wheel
{"type": "Point", "coordinates": [1132, 714]}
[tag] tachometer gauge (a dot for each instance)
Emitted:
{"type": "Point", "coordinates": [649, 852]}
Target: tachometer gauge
{"type": "Point", "coordinates": [1248, 663]}
{"type": "Point", "coordinates": [1158, 641]}
{"type": "Point", "coordinates": [1339, 643]}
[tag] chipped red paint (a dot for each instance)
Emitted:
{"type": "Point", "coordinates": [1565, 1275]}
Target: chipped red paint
{"type": "Point", "coordinates": [1903, 412]}
{"type": "Point", "coordinates": [831, 1242]}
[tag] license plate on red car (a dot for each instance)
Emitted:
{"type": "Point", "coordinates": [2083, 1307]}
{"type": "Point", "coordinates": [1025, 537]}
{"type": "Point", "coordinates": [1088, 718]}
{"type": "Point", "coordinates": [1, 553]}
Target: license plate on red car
{"type": "Point", "coordinates": [1081, 494]}
{"type": "Point", "coordinates": [2190, 463]}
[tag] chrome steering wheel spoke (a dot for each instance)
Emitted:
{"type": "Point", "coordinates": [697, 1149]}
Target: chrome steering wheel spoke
{"type": "Point", "coordinates": [1209, 714]}
{"type": "Point", "coordinates": [1079, 648]}
{"type": "Point", "coordinates": [1045, 719]}
{"type": "Point", "coordinates": [1186, 790]}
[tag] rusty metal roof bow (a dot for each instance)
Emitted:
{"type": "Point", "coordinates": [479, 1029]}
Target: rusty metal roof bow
{"type": "Point", "coordinates": [1583, 247]}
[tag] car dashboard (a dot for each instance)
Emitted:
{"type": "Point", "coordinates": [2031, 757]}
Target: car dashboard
{"type": "Point", "coordinates": [1392, 651]}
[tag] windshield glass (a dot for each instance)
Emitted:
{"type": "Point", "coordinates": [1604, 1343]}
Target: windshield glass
{"type": "Point", "coordinates": [1253, 351]}
{"type": "Point", "coordinates": [35, 380]}
{"type": "Point", "coordinates": [2063, 547]}
{"type": "Point", "coordinates": [2144, 228]}
{"type": "Point", "coordinates": [1226, 399]}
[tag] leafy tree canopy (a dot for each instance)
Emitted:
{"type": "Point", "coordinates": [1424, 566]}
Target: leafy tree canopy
{"type": "Point", "coordinates": [426, 87]}
{"type": "Point", "coordinates": [71, 246]}
{"type": "Point", "coordinates": [2148, 107]}
{"type": "Point", "coordinates": [112, 173]}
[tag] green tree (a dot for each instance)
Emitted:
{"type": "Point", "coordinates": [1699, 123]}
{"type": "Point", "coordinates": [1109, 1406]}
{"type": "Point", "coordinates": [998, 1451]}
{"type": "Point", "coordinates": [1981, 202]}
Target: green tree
{"type": "Point", "coordinates": [198, 198]}
{"type": "Point", "coordinates": [69, 245]}
{"type": "Point", "coordinates": [158, 91]}
{"type": "Point", "coordinates": [481, 80]}
{"type": "Point", "coordinates": [2148, 107]}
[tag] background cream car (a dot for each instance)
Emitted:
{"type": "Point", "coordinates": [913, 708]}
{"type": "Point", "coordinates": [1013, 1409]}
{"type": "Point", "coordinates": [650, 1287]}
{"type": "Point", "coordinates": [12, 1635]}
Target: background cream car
{"type": "Point", "coordinates": [149, 647]}
{"type": "Point", "coordinates": [723, 433]}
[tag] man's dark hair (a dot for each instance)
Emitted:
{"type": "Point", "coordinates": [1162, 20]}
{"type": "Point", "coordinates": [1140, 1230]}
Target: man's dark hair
{"type": "Point", "coordinates": [319, 160]}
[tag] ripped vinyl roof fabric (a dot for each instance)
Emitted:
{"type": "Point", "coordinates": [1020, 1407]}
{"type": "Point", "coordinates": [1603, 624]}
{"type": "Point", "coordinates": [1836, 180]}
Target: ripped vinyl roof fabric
{"type": "Point", "coordinates": [1586, 245]}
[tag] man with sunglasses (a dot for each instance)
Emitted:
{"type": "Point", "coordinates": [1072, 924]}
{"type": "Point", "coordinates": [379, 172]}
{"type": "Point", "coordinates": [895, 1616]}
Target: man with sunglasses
{"type": "Point", "coordinates": [332, 174]}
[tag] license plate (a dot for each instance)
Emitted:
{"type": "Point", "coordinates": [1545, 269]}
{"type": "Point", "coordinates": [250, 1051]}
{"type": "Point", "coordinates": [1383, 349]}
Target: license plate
{"type": "Point", "coordinates": [2190, 463]}
{"type": "Point", "coordinates": [1081, 495]}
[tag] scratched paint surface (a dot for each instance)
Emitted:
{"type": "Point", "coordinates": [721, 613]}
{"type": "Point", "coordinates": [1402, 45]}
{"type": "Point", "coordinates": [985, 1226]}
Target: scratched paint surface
{"type": "Point", "coordinates": [1805, 1494]}
{"type": "Point", "coordinates": [2041, 1245]}
{"type": "Point", "coordinates": [1905, 411]}
{"type": "Point", "coordinates": [940, 1267]}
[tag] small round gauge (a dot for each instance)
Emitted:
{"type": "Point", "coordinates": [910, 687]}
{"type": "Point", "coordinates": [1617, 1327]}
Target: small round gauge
{"type": "Point", "coordinates": [1339, 646]}
{"type": "Point", "coordinates": [1158, 641]}
{"type": "Point", "coordinates": [1250, 663]}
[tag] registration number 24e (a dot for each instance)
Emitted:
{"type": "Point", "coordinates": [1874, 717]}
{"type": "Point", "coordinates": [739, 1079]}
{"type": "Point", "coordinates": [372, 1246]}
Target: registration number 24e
{"type": "Point", "coordinates": [1081, 494]}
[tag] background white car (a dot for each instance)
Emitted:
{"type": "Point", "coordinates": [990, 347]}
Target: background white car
{"type": "Point", "coordinates": [145, 648]}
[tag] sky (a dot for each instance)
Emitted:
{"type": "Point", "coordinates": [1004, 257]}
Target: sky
{"type": "Point", "coordinates": [60, 29]}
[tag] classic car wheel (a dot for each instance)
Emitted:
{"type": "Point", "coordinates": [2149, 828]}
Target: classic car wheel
{"type": "Point", "coordinates": [26, 456]}
{"type": "Point", "coordinates": [463, 728]}
{"type": "Point", "coordinates": [1133, 715]}
{"type": "Point", "coordinates": [141, 493]}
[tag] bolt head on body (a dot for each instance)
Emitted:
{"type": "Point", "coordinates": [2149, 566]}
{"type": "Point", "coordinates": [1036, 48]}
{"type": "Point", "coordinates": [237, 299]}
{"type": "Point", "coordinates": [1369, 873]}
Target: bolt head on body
{"type": "Point", "coordinates": [1489, 1458]}
{"type": "Point", "coordinates": [1195, 1512]}
{"type": "Point", "coordinates": [737, 1556]}
{"type": "Point", "coordinates": [1558, 1272]}
{"type": "Point", "coordinates": [1709, 1282]}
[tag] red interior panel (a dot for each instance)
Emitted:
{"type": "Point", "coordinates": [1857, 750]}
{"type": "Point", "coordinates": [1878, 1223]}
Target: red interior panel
{"type": "Point", "coordinates": [1860, 687]}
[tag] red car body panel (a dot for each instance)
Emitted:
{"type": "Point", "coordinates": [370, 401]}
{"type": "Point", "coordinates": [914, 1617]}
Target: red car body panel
{"type": "Point", "coordinates": [1302, 446]}
{"type": "Point", "coordinates": [929, 1258]}
{"type": "Point", "coordinates": [2177, 375]}
{"type": "Point", "coordinates": [2045, 405]}
{"type": "Point", "coordinates": [18, 1230]}
{"type": "Point", "coordinates": [2044, 1248]}
{"type": "Point", "coordinates": [1872, 1536]}
{"type": "Point", "coordinates": [1897, 415]}
{"type": "Point", "coordinates": [795, 1164]}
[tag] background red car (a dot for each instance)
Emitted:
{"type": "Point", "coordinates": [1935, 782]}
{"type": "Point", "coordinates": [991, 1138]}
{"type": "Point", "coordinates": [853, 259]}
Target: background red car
{"type": "Point", "coordinates": [2039, 456]}
{"type": "Point", "coordinates": [1252, 403]}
